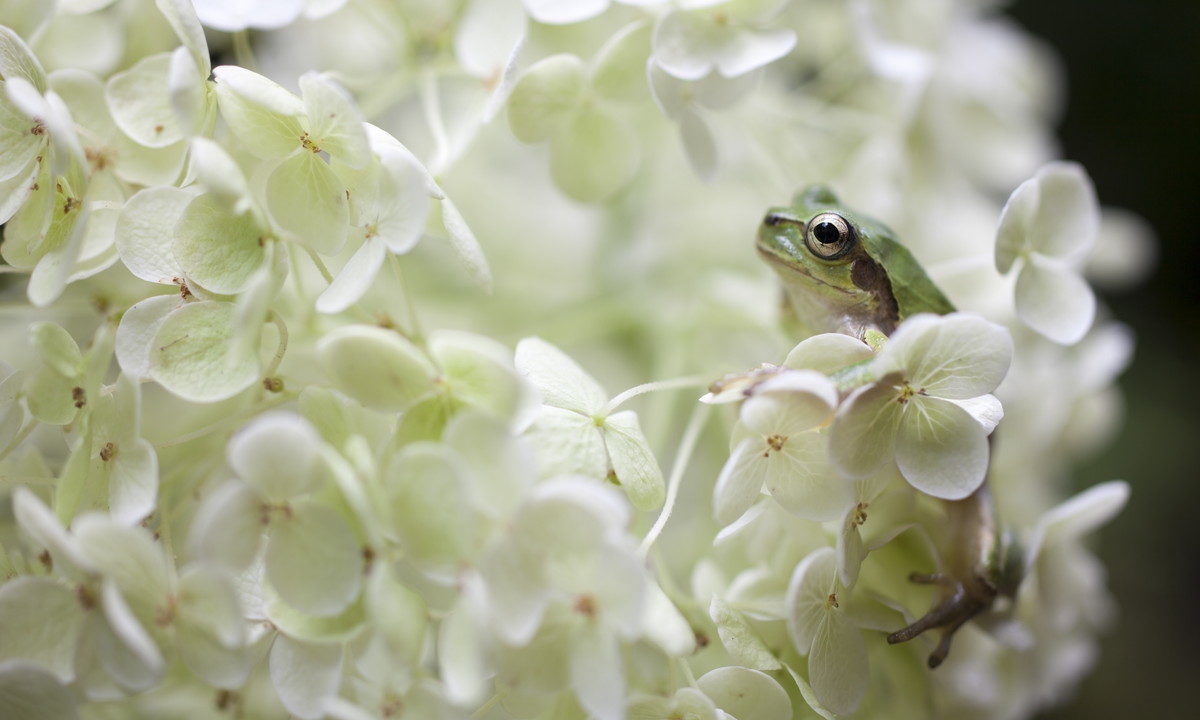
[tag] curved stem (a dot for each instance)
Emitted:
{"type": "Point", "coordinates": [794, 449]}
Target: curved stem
{"type": "Point", "coordinates": [687, 445]}
{"type": "Point", "coordinates": [673, 384]}
{"type": "Point", "coordinates": [19, 438]}
{"type": "Point", "coordinates": [282, 349]}
{"type": "Point", "coordinates": [320, 265]}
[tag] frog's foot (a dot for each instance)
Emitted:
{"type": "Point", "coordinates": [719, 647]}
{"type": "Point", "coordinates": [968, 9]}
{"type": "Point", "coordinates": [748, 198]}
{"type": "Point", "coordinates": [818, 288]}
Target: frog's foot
{"type": "Point", "coordinates": [950, 614]}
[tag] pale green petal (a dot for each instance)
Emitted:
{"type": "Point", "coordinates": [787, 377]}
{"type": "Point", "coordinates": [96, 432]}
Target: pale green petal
{"type": "Point", "coordinates": [619, 67]}
{"type": "Point", "coordinates": [740, 482]}
{"type": "Point", "coordinates": [210, 631]}
{"type": "Point", "coordinates": [299, 625]}
{"type": "Point", "coordinates": [746, 693]}
{"type": "Point", "coordinates": [305, 675]}
{"type": "Point", "coordinates": [567, 443]}
{"type": "Point", "coordinates": [955, 356]}
{"type": "Point", "coordinates": [215, 247]}
{"type": "Point", "coordinates": [192, 98]}
{"type": "Point", "coordinates": [502, 466]}
{"type": "Point", "coordinates": [1054, 300]}
{"type": "Point", "coordinates": [544, 96]}
{"type": "Point", "coordinates": [56, 348]}
{"type": "Point", "coordinates": [664, 625]}
{"type": "Point", "coordinates": [486, 35]}
{"type": "Point", "coordinates": [135, 333]}
{"type": "Point", "coordinates": [479, 371]}
{"type": "Point", "coordinates": [941, 450]}
{"type": "Point", "coordinates": [277, 454]}
{"type": "Point", "coordinates": [516, 596]}
{"type": "Point", "coordinates": [133, 483]}
{"type": "Point", "coordinates": [563, 12]}
{"type": "Point", "coordinates": [227, 528]}
{"type": "Point", "coordinates": [812, 583]}
{"type": "Point", "coordinates": [850, 549]}
{"type": "Point", "coordinates": [263, 115]}
{"type": "Point", "coordinates": [308, 202]}
{"type": "Point", "coordinates": [335, 122]}
{"type": "Point", "coordinates": [190, 354]}
{"type": "Point", "coordinates": [790, 403]}
{"type": "Point", "coordinates": [560, 380]}
{"type": "Point", "coordinates": [144, 231]}
{"type": "Point", "coordinates": [465, 246]}
{"type": "Point", "coordinates": [40, 622]}
{"type": "Point", "coordinates": [313, 559]}
{"type": "Point", "coordinates": [863, 436]}
{"type": "Point", "coordinates": [354, 279]}
{"type": "Point", "coordinates": [216, 170]}
{"type": "Point", "coordinates": [1012, 234]}
{"type": "Point", "coordinates": [126, 650]}
{"type": "Point", "coordinates": [803, 481]}
{"type": "Point", "coordinates": [827, 353]}
{"type": "Point", "coordinates": [398, 613]}
{"type": "Point", "coordinates": [700, 145]}
{"type": "Point", "coordinates": [633, 463]}
{"type": "Point", "coordinates": [40, 524]}
{"type": "Point", "coordinates": [30, 693]}
{"type": "Point", "coordinates": [740, 640]}
{"type": "Point", "coordinates": [140, 103]}
{"type": "Point", "coordinates": [18, 61]}
{"type": "Point", "coordinates": [430, 504]}
{"type": "Point", "coordinates": [181, 15]}
{"type": "Point", "coordinates": [403, 203]}
{"type": "Point", "coordinates": [596, 673]}
{"type": "Point", "coordinates": [593, 155]}
{"type": "Point", "coordinates": [375, 366]}
{"type": "Point", "coordinates": [128, 556]}
{"type": "Point", "coordinates": [837, 664]}
{"type": "Point", "coordinates": [463, 663]}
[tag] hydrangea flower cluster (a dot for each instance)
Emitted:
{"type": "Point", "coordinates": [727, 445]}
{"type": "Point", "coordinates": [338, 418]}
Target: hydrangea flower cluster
{"type": "Point", "coordinates": [308, 360]}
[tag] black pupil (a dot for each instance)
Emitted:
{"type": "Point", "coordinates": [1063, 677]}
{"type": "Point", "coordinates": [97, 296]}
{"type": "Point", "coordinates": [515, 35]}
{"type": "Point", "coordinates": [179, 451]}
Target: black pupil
{"type": "Point", "coordinates": [827, 233]}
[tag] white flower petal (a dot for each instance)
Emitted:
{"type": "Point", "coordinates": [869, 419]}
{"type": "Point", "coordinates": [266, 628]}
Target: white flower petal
{"type": "Point", "coordinates": [664, 625]}
{"type": "Point", "coordinates": [227, 528]}
{"type": "Point", "coordinates": [305, 675]}
{"type": "Point", "coordinates": [808, 596]}
{"type": "Point", "coordinates": [1067, 221]}
{"type": "Point", "coordinates": [560, 380]}
{"type": "Point", "coordinates": [804, 482]}
{"type": "Point", "coordinates": [190, 354]}
{"type": "Point", "coordinates": [985, 408]}
{"type": "Point", "coordinates": [126, 649]}
{"type": "Point", "coordinates": [746, 693]}
{"type": "Point", "coordinates": [143, 235]}
{"type": "Point", "coordinates": [740, 482]}
{"type": "Point", "coordinates": [941, 450]}
{"type": "Point", "coordinates": [354, 279]}
{"type": "Point", "coordinates": [40, 622]}
{"type": "Point", "coordinates": [313, 559]}
{"type": "Point", "coordinates": [827, 353]}
{"type": "Point", "coordinates": [135, 333]}
{"type": "Point", "coordinates": [307, 201]}
{"type": "Point", "coordinates": [237, 15]}
{"type": "Point", "coordinates": [140, 103]}
{"type": "Point", "coordinates": [376, 366]}
{"type": "Point", "coordinates": [133, 484]}
{"type": "Point", "coordinates": [633, 463]}
{"type": "Point", "coordinates": [837, 664]}
{"type": "Point", "coordinates": [30, 693]}
{"type": "Point", "coordinates": [953, 356]}
{"type": "Point", "coordinates": [596, 673]}
{"type": "Point", "coordinates": [1012, 231]}
{"type": "Point", "coordinates": [594, 154]}
{"type": "Point", "coordinates": [277, 454]}
{"type": "Point", "coordinates": [863, 435]}
{"type": "Point", "coordinates": [563, 12]}
{"type": "Point", "coordinates": [740, 639]}
{"type": "Point", "coordinates": [1054, 300]}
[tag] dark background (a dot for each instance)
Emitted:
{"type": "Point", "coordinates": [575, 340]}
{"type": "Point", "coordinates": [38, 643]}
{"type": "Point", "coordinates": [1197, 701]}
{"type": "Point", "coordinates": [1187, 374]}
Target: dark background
{"type": "Point", "coordinates": [1131, 118]}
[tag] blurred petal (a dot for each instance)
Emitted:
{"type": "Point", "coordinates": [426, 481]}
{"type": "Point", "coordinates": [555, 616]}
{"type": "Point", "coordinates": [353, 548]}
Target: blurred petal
{"type": "Point", "coordinates": [313, 559]}
{"type": "Point", "coordinates": [593, 155]}
{"type": "Point", "coordinates": [954, 356]}
{"type": "Point", "coordinates": [837, 664]}
{"type": "Point", "coordinates": [1068, 216]}
{"type": "Point", "coordinates": [1054, 300]}
{"type": "Point", "coordinates": [596, 673]}
{"type": "Point", "coordinates": [863, 435]}
{"type": "Point", "coordinates": [277, 454]}
{"type": "Point", "coordinates": [305, 675]}
{"type": "Point", "coordinates": [804, 482]}
{"type": "Point", "coordinates": [746, 693]}
{"type": "Point", "coordinates": [740, 481]}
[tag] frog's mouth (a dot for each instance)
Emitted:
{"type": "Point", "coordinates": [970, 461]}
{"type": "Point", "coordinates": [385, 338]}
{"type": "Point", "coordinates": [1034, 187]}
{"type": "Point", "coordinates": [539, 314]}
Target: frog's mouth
{"type": "Point", "coordinates": [777, 262]}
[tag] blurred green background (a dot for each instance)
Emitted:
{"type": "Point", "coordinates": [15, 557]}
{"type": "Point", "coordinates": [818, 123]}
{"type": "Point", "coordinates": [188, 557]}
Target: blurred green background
{"type": "Point", "coordinates": [1132, 112]}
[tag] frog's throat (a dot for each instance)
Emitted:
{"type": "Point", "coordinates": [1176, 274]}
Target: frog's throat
{"type": "Point", "coordinates": [866, 302]}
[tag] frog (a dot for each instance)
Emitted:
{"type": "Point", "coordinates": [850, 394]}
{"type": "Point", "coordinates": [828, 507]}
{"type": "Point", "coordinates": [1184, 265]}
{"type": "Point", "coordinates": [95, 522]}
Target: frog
{"type": "Point", "coordinates": [845, 272]}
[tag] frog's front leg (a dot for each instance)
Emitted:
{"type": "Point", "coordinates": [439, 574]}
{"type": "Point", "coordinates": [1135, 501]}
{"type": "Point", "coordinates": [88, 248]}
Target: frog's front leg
{"type": "Point", "coordinates": [965, 601]}
{"type": "Point", "coordinates": [968, 588]}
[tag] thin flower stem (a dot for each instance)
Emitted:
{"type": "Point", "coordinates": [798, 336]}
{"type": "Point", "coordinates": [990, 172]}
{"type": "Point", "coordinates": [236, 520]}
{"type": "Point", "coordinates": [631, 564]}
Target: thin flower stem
{"type": "Point", "coordinates": [283, 343]}
{"type": "Point", "coordinates": [242, 52]}
{"type": "Point", "coordinates": [415, 333]}
{"type": "Point", "coordinates": [687, 445]}
{"type": "Point", "coordinates": [19, 438]}
{"type": "Point", "coordinates": [673, 384]}
{"type": "Point", "coordinates": [437, 127]}
{"type": "Point", "coordinates": [485, 707]}
{"type": "Point", "coordinates": [320, 265]}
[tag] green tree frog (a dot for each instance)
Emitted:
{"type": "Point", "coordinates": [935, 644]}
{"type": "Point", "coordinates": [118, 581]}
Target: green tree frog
{"type": "Point", "coordinates": [845, 272]}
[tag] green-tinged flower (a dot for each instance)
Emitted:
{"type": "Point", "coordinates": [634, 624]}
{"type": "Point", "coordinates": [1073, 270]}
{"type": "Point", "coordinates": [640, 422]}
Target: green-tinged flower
{"type": "Point", "coordinates": [573, 105]}
{"type": "Point", "coordinates": [577, 432]}
{"type": "Point", "coordinates": [776, 445]}
{"type": "Point", "coordinates": [281, 474]}
{"type": "Point", "coordinates": [821, 628]}
{"type": "Point", "coordinates": [1047, 228]}
{"type": "Point", "coordinates": [731, 38]}
{"type": "Point", "coordinates": [930, 409]}
{"type": "Point", "coordinates": [567, 557]}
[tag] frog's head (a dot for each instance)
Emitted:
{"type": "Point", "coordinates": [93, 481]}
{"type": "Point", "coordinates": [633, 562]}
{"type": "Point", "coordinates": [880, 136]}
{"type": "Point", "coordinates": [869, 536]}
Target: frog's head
{"type": "Point", "coordinates": [821, 251]}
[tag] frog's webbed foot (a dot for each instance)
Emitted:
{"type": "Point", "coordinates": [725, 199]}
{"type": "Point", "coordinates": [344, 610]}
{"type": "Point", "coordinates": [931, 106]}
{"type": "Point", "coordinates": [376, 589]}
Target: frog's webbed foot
{"type": "Point", "coordinates": [951, 613]}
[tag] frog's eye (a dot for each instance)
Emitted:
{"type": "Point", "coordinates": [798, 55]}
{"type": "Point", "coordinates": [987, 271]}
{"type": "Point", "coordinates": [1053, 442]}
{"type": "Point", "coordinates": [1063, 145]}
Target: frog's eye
{"type": "Point", "coordinates": [830, 236]}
